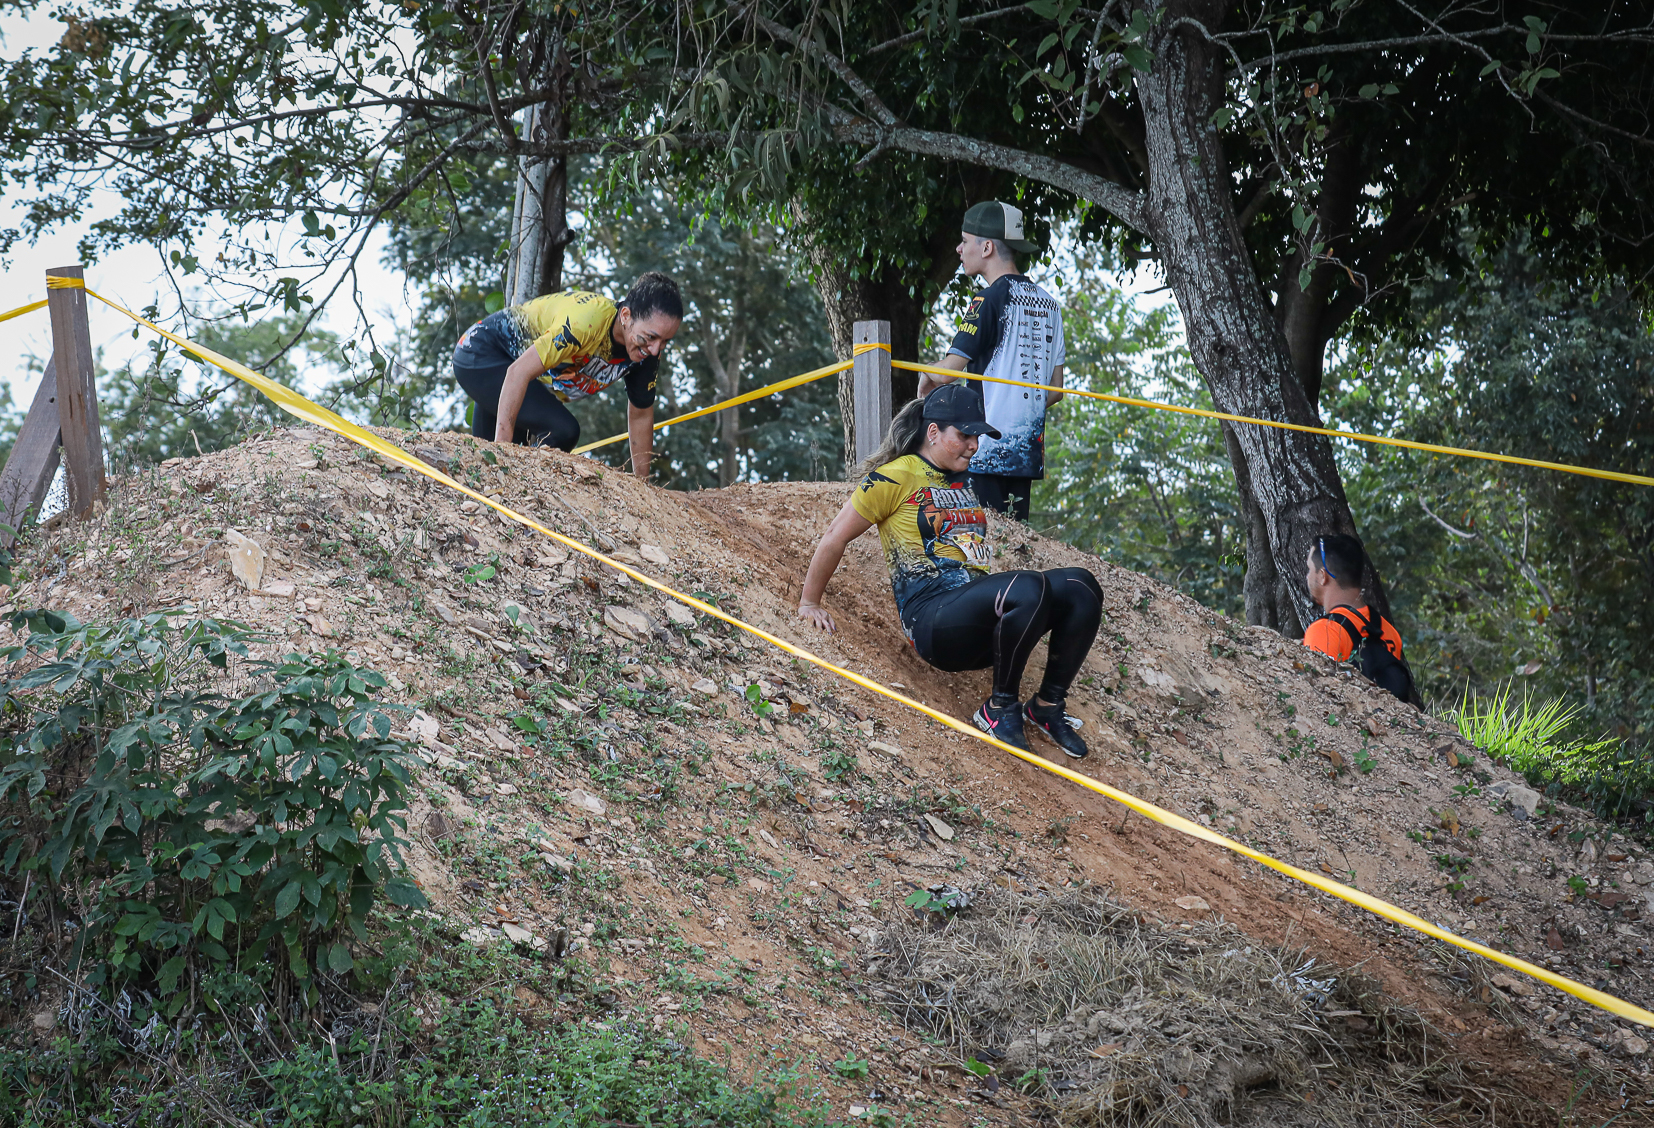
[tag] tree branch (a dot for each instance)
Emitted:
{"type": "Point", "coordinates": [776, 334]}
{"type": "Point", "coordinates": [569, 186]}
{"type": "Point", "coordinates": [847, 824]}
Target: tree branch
{"type": "Point", "coordinates": [980, 17]}
{"type": "Point", "coordinates": [850, 78]}
{"type": "Point", "coordinates": [1370, 45]}
{"type": "Point", "coordinates": [888, 131]}
{"type": "Point", "coordinates": [1124, 204]}
{"type": "Point", "coordinates": [1569, 111]}
{"type": "Point", "coordinates": [1520, 566]}
{"type": "Point", "coordinates": [485, 45]}
{"type": "Point", "coordinates": [1451, 530]}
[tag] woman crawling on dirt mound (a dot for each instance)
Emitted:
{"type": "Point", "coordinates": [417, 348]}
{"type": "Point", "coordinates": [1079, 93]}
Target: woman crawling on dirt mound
{"type": "Point", "coordinates": [957, 615]}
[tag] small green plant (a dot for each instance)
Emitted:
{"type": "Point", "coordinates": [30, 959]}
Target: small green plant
{"type": "Point", "coordinates": [1448, 863]}
{"type": "Point", "coordinates": [1036, 1080]}
{"type": "Point", "coordinates": [479, 573]}
{"type": "Point", "coordinates": [944, 900]}
{"type": "Point", "coordinates": [1364, 761]}
{"type": "Point", "coordinates": [851, 1068]}
{"type": "Point", "coordinates": [755, 698]}
{"type": "Point", "coordinates": [837, 763]}
{"type": "Point", "coordinates": [1578, 885]}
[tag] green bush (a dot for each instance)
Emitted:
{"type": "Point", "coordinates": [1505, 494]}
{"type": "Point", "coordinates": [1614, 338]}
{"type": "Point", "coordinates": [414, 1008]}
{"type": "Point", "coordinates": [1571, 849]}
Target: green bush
{"type": "Point", "coordinates": [1538, 739]}
{"type": "Point", "coordinates": [185, 824]}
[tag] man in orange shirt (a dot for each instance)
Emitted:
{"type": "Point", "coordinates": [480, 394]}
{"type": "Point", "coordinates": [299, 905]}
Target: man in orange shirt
{"type": "Point", "coordinates": [1334, 570]}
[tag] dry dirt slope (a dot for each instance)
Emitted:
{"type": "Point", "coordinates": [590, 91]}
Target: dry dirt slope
{"type": "Point", "coordinates": [733, 871]}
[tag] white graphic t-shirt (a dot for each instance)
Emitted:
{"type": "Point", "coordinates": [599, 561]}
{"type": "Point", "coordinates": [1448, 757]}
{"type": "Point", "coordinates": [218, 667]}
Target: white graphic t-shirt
{"type": "Point", "coordinates": [1013, 330]}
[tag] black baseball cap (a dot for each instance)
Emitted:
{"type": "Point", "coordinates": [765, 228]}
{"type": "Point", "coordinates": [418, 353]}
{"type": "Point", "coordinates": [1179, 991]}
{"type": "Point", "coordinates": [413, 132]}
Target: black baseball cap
{"type": "Point", "coordinates": [994, 220]}
{"type": "Point", "coordinates": [956, 405]}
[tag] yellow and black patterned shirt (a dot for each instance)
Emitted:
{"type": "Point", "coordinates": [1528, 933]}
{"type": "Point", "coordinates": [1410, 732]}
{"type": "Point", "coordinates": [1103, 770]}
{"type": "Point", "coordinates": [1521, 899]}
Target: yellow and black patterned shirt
{"type": "Point", "coordinates": [931, 526]}
{"type": "Point", "coordinates": [571, 333]}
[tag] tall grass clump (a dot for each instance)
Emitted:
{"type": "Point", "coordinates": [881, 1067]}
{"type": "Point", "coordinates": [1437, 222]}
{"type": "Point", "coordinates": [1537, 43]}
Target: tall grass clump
{"type": "Point", "coordinates": [1540, 740]}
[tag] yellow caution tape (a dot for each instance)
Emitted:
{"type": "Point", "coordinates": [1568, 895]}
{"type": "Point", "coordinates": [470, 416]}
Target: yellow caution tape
{"type": "Point", "coordinates": [298, 405]}
{"type": "Point", "coordinates": [1462, 452]}
{"type": "Point", "coordinates": [21, 310]}
{"type": "Point", "coordinates": [744, 397]}
{"type": "Point", "coordinates": [58, 282]}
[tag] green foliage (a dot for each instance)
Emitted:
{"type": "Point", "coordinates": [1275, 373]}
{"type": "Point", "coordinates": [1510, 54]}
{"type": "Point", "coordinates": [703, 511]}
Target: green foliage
{"type": "Point", "coordinates": [493, 1070]}
{"type": "Point", "coordinates": [755, 698]}
{"type": "Point", "coordinates": [189, 825]}
{"type": "Point", "coordinates": [1149, 490]}
{"type": "Point", "coordinates": [1537, 740]}
{"type": "Point", "coordinates": [11, 421]}
{"type": "Point", "coordinates": [851, 1068]}
{"type": "Point", "coordinates": [839, 763]}
{"type": "Point", "coordinates": [436, 1040]}
{"type": "Point", "coordinates": [943, 900]}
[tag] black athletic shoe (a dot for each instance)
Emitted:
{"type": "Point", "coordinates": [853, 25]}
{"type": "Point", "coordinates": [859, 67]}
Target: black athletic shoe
{"type": "Point", "coordinates": [1053, 722]}
{"type": "Point", "coordinates": [1002, 724]}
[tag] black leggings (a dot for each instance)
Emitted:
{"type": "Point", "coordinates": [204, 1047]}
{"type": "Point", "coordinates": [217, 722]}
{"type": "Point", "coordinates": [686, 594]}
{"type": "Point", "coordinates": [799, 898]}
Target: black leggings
{"type": "Point", "coordinates": [996, 621]}
{"type": "Point", "coordinates": [541, 421]}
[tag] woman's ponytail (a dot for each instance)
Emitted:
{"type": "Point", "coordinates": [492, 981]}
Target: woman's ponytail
{"type": "Point", "coordinates": [907, 435]}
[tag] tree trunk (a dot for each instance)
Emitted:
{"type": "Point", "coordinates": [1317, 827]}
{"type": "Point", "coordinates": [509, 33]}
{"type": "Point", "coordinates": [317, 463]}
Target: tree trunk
{"type": "Point", "coordinates": [847, 300]}
{"type": "Point", "coordinates": [1288, 476]}
{"type": "Point", "coordinates": [540, 232]}
{"type": "Point", "coordinates": [879, 295]}
{"type": "Point", "coordinates": [726, 370]}
{"type": "Point", "coordinates": [1268, 602]}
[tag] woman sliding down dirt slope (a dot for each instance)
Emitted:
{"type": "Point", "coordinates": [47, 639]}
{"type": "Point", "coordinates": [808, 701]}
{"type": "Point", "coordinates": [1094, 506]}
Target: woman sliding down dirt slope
{"type": "Point", "coordinates": [957, 615]}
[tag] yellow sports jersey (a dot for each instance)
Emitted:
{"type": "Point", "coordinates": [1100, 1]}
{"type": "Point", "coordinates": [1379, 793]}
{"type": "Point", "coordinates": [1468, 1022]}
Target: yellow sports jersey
{"type": "Point", "coordinates": [571, 333]}
{"type": "Point", "coordinates": [570, 327]}
{"type": "Point", "coordinates": [932, 528]}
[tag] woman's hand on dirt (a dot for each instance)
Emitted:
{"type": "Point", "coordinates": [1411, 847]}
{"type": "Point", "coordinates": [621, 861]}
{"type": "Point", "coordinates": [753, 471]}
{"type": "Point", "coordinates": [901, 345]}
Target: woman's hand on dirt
{"type": "Point", "coordinates": [817, 616]}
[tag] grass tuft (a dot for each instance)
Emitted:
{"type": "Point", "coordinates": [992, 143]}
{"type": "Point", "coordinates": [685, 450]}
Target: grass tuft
{"type": "Point", "coordinates": [1533, 737]}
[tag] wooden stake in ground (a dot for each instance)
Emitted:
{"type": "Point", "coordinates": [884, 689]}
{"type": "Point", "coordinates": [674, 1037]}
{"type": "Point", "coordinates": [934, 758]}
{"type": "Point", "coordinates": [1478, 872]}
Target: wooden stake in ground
{"type": "Point", "coordinates": [871, 377]}
{"type": "Point", "coordinates": [77, 398]}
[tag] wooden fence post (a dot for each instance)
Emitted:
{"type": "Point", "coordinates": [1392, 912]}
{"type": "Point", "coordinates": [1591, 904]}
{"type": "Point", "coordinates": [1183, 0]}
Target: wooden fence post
{"type": "Point", "coordinates": [62, 424]}
{"type": "Point", "coordinates": [34, 459]}
{"type": "Point", "coordinates": [77, 399]}
{"type": "Point", "coordinates": [871, 378]}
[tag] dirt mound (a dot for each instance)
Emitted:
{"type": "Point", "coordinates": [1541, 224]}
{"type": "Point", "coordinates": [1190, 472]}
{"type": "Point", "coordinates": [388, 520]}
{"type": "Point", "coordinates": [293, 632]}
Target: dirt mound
{"type": "Point", "coordinates": [601, 787]}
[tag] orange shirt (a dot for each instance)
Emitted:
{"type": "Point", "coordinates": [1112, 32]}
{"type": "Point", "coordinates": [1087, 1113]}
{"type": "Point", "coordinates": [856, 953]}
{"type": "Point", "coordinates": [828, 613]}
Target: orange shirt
{"type": "Point", "coordinates": [1332, 639]}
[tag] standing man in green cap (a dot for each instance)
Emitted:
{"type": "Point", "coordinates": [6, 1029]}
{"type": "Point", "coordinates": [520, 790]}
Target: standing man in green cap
{"type": "Point", "coordinates": [1012, 330]}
